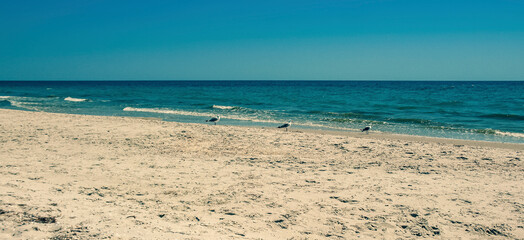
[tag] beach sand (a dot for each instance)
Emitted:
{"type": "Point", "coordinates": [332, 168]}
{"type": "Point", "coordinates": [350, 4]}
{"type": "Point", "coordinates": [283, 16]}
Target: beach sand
{"type": "Point", "coordinates": [94, 177]}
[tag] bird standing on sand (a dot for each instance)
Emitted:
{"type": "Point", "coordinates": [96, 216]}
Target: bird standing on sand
{"type": "Point", "coordinates": [285, 125]}
{"type": "Point", "coordinates": [366, 129]}
{"type": "Point", "coordinates": [214, 120]}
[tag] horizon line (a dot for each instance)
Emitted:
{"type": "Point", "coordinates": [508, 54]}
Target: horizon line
{"type": "Point", "coordinates": [291, 80]}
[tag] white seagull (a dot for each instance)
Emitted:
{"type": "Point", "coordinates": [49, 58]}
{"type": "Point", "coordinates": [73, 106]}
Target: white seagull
{"type": "Point", "coordinates": [214, 120]}
{"type": "Point", "coordinates": [366, 129]}
{"type": "Point", "coordinates": [285, 125]}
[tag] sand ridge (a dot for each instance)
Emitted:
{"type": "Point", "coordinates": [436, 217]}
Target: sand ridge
{"type": "Point", "coordinates": [93, 177]}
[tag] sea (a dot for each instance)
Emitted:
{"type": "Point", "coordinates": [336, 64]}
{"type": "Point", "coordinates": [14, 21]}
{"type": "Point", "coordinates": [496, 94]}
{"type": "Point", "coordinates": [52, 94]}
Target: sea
{"type": "Point", "coordinates": [483, 110]}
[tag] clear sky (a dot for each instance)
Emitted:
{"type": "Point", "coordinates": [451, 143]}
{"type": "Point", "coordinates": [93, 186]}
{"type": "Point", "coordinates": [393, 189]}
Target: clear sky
{"type": "Point", "coordinates": [270, 39]}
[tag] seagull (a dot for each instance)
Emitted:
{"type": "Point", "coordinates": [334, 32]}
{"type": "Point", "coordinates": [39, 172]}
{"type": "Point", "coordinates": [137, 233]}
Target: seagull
{"type": "Point", "coordinates": [214, 120]}
{"type": "Point", "coordinates": [366, 129]}
{"type": "Point", "coordinates": [285, 125]}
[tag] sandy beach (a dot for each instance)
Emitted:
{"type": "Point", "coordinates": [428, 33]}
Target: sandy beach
{"type": "Point", "coordinates": [93, 177]}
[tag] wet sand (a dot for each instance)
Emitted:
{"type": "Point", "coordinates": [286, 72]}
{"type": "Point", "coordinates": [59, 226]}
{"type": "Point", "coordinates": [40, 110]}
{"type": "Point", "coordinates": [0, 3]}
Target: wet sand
{"type": "Point", "coordinates": [92, 177]}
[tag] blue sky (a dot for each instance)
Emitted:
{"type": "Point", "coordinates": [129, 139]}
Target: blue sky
{"type": "Point", "coordinates": [255, 40]}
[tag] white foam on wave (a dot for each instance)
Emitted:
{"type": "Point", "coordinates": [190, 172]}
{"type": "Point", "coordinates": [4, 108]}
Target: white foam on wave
{"type": "Point", "coordinates": [165, 111]}
{"type": "Point", "coordinates": [225, 107]}
{"type": "Point", "coordinates": [253, 119]}
{"type": "Point", "coordinates": [26, 105]}
{"type": "Point", "coordinates": [20, 98]}
{"type": "Point", "coordinates": [199, 114]}
{"type": "Point", "coordinates": [510, 134]}
{"type": "Point", "coordinates": [75, 99]}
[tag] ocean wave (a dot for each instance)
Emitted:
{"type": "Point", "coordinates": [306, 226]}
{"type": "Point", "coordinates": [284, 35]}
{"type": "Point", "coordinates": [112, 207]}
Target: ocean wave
{"type": "Point", "coordinates": [243, 110]}
{"type": "Point", "coordinates": [25, 105]}
{"type": "Point", "coordinates": [482, 131]}
{"type": "Point", "coordinates": [503, 116]}
{"type": "Point", "coordinates": [166, 111]}
{"type": "Point", "coordinates": [490, 131]}
{"type": "Point", "coordinates": [76, 99]}
{"type": "Point", "coordinates": [225, 107]}
{"type": "Point", "coordinates": [348, 114]}
{"type": "Point", "coordinates": [253, 119]}
{"type": "Point", "coordinates": [351, 120]}
{"type": "Point", "coordinates": [28, 103]}
{"type": "Point", "coordinates": [5, 103]}
{"type": "Point", "coordinates": [412, 120]}
{"type": "Point", "coordinates": [510, 134]}
{"type": "Point", "coordinates": [323, 126]}
{"type": "Point", "coordinates": [486, 131]}
{"type": "Point", "coordinates": [21, 98]}
{"type": "Point", "coordinates": [345, 114]}
{"type": "Point", "coordinates": [201, 114]}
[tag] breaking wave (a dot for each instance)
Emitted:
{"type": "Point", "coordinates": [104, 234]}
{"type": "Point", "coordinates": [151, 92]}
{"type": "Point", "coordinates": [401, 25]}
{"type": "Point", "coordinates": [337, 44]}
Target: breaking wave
{"type": "Point", "coordinates": [510, 134]}
{"type": "Point", "coordinates": [201, 114]}
{"type": "Point", "coordinates": [225, 107]}
{"type": "Point", "coordinates": [497, 132]}
{"type": "Point", "coordinates": [76, 99]}
{"type": "Point", "coordinates": [165, 111]}
{"type": "Point", "coordinates": [25, 105]}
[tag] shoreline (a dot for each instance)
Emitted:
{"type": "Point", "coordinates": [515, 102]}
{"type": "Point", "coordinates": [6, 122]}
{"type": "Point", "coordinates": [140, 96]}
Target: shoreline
{"type": "Point", "coordinates": [67, 176]}
{"type": "Point", "coordinates": [355, 133]}
{"type": "Point", "coordinates": [393, 136]}
{"type": "Point", "coordinates": [472, 134]}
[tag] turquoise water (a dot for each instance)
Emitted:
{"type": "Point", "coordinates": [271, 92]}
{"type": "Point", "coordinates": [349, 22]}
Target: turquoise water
{"type": "Point", "coordinates": [490, 111]}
